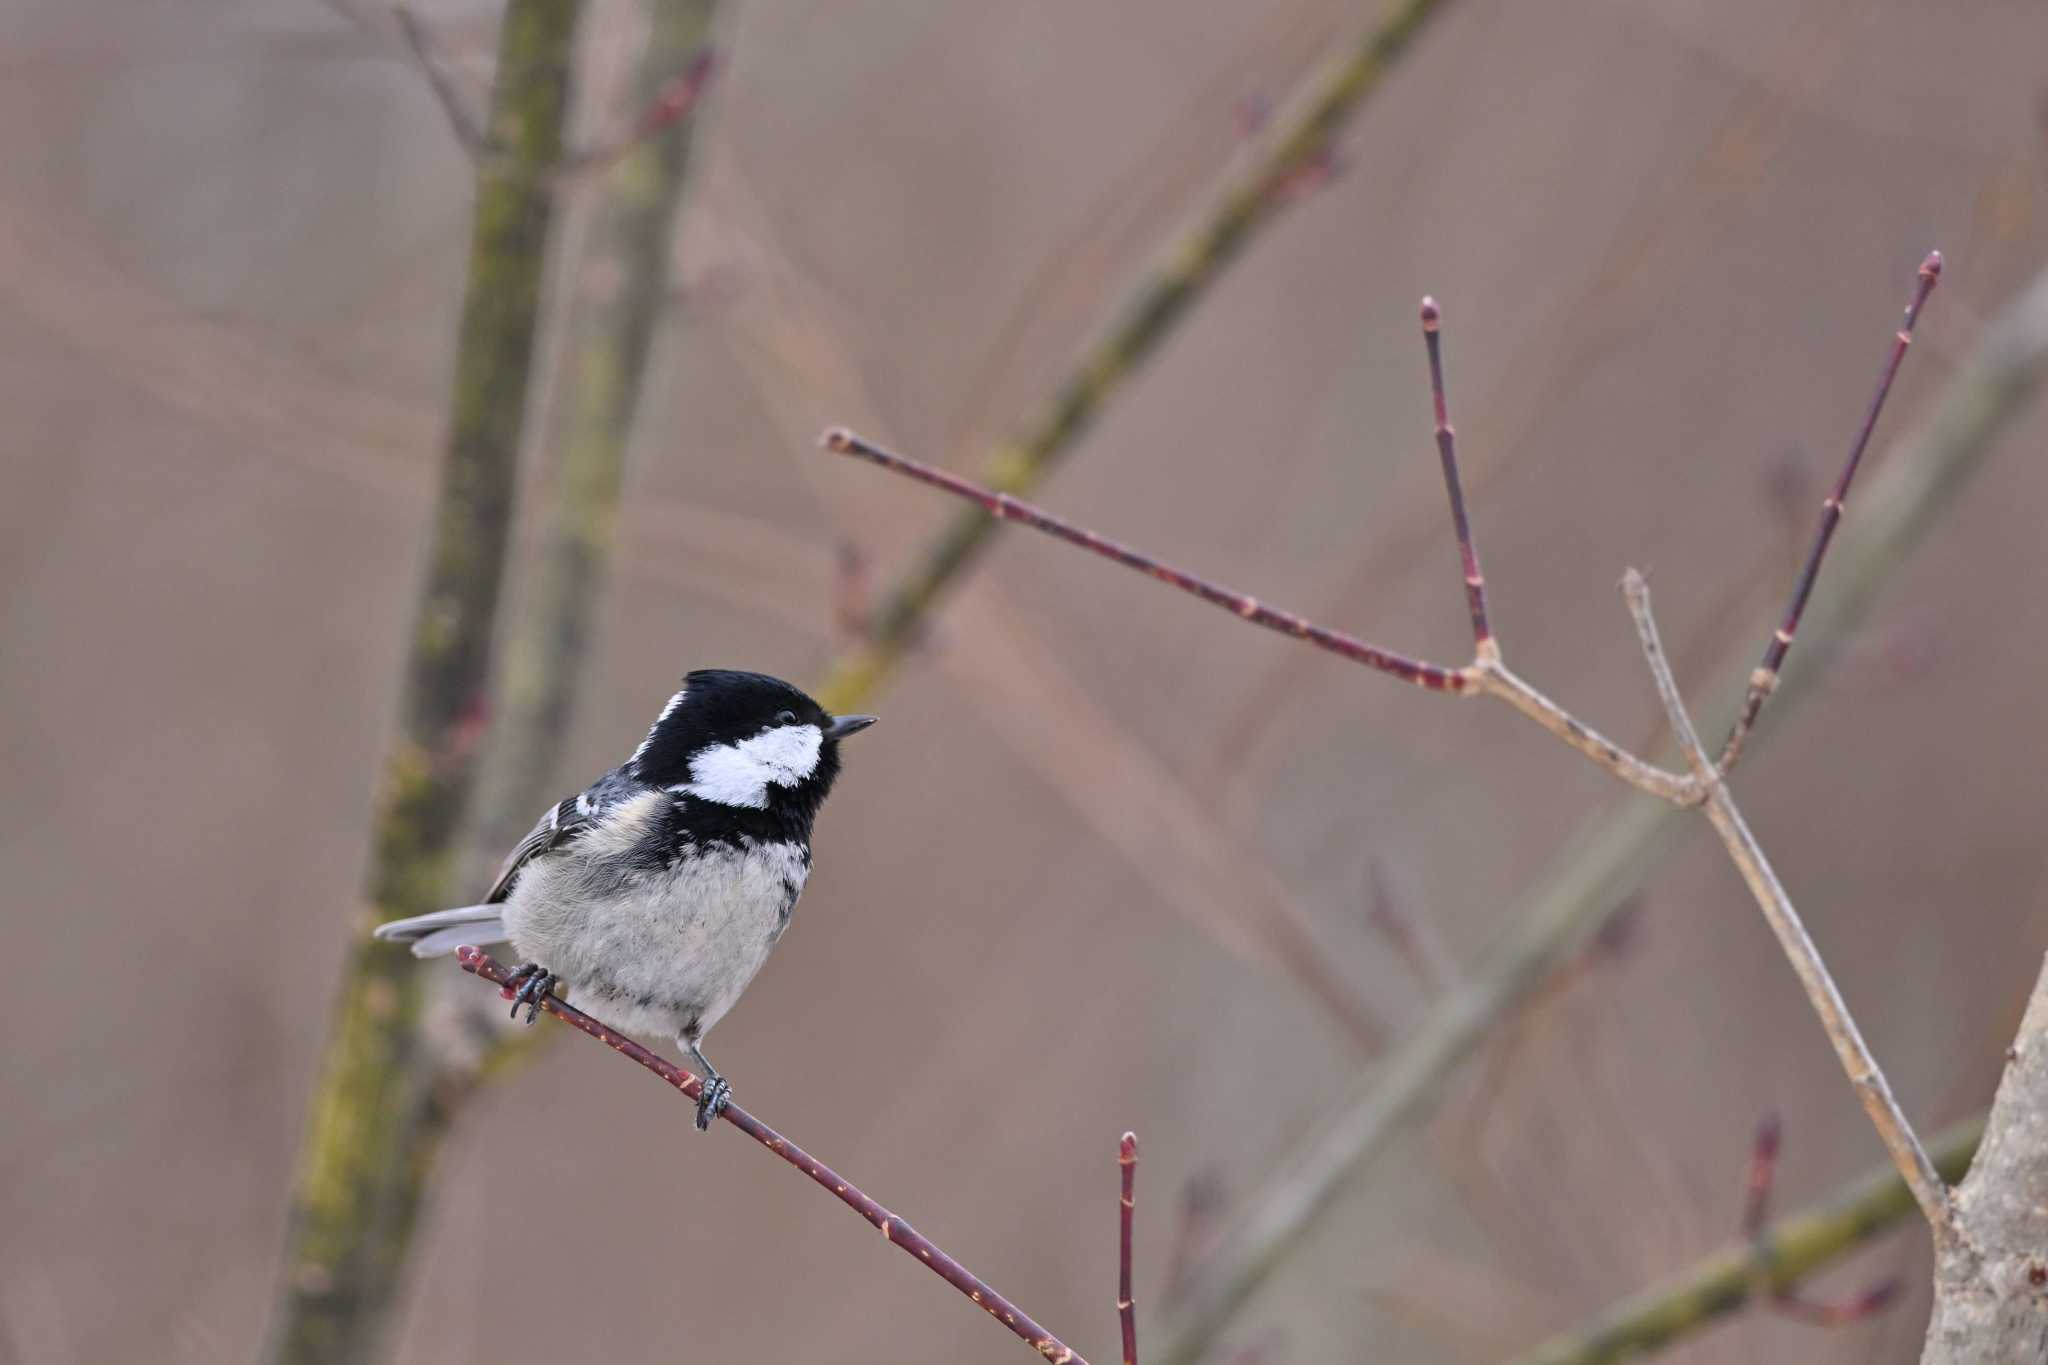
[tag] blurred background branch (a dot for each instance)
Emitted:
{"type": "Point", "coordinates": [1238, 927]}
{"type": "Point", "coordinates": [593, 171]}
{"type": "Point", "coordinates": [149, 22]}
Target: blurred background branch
{"type": "Point", "coordinates": [1776, 1261]}
{"type": "Point", "coordinates": [386, 1099]}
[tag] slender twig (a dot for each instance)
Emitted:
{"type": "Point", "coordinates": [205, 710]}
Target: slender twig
{"type": "Point", "coordinates": [1763, 1171]}
{"type": "Point", "coordinates": [1775, 1261]}
{"type": "Point", "coordinates": [1004, 507]}
{"type": "Point", "coordinates": [1126, 1306]}
{"type": "Point", "coordinates": [1765, 679]}
{"type": "Point", "coordinates": [1486, 675]}
{"type": "Point", "coordinates": [1177, 278]}
{"type": "Point", "coordinates": [1784, 1299]}
{"type": "Point", "coordinates": [1929, 1190]}
{"type": "Point", "coordinates": [894, 1229]}
{"type": "Point", "coordinates": [1447, 450]}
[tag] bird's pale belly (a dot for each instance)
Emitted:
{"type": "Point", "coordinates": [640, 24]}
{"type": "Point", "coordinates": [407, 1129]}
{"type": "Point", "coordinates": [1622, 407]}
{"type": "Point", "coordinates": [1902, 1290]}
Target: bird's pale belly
{"type": "Point", "coordinates": [670, 950]}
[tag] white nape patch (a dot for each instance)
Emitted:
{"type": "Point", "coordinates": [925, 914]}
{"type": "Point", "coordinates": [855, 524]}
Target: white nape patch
{"type": "Point", "coordinates": [740, 774]}
{"type": "Point", "coordinates": [652, 730]}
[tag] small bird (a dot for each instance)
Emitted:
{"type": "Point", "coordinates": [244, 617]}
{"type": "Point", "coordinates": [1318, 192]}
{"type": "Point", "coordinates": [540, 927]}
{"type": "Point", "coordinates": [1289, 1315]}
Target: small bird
{"type": "Point", "coordinates": [656, 893]}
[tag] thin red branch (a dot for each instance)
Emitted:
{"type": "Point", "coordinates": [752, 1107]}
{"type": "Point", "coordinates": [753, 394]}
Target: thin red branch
{"type": "Point", "coordinates": [892, 1227]}
{"type": "Point", "coordinates": [1126, 1306]}
{"type": "Point", "coordinates": [1004, 507]}
{"type": "Point", "coordinates": [1789, 1302]}
{"type": "Point", "coordinates": [1447, 451]}
{"type": "Point", "coordinates": [1764, 680]}
{"type": "Point", "coordinates": [1763, 1170]}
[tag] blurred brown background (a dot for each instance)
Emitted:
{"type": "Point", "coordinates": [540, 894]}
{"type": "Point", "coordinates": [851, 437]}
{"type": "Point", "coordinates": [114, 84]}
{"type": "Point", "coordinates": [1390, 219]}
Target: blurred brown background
{"type": "Point", "coordinates": [1671, 239]}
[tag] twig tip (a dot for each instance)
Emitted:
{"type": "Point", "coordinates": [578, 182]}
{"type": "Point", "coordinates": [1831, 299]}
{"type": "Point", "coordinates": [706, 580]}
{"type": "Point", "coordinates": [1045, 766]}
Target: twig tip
{"type": "Point", "coordinates": [837, 439]}
{"type": "Point", "coordinates": [1432, 316]}
{"type": "Point", "coordinates": [1930, 269]}
{"type": "Point", "coordinates": [1127, 1148]}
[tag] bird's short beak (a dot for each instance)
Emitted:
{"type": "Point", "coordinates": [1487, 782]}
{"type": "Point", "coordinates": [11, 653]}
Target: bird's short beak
{"type": "Point", "coordinates": [842, 726]}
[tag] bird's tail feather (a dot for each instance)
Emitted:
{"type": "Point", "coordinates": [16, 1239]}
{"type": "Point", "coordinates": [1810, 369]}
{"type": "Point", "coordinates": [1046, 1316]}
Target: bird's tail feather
{"type": "Point", "coordinates": [446, 930]}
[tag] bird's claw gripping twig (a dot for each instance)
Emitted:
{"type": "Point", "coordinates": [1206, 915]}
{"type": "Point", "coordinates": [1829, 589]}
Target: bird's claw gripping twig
{"type": "Point", "coordinates": [526, 986]}
{"type": "Point", "coordinates": [712, 1099]}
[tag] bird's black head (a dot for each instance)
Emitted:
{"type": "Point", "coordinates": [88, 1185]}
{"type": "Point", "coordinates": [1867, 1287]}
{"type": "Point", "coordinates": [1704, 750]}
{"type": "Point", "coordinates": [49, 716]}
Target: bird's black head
{"type": "Point", "coordinates": [745, 741]}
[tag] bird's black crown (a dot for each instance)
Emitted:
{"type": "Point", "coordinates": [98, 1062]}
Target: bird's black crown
{"type": "Point", "coordinates": [724, 706]}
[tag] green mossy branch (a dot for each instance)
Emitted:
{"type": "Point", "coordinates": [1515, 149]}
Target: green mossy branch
{"type": "Point", "coordinates": [1164, 292]}
{"type": "Point", "coordinates": [1789, 1250]}
{"type": "Point", "coordinates": [375, 1118]}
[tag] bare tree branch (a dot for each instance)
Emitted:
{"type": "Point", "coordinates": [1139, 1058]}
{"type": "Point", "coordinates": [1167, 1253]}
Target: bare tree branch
{"type": "Point", "coordinates": [894, 1229]}
{"type": "Point", "coordinates": [1486, 675]}
{"type": "Point", "coordinates": [1766, 676]}
{"type": "Point", "coordinates": [1865, 1075]}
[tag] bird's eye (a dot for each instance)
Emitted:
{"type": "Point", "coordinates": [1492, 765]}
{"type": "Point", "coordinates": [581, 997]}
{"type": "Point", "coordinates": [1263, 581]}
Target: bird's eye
{"type": "Point", "coordinates": [785, 718]}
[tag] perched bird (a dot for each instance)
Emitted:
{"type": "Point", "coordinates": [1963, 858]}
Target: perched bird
{"type": "Point", "coordinates": [656, 893]}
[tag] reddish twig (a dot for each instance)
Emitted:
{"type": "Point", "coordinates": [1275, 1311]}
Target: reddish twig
{"type": "Point", "coordinates": [1004, 507]}
{"type": "Point", "coordinates": [1126, 1306]}
{"type": "Point", "coordinates": [892, 1227]}
{"type": "Point", "coordinates": [1787, 1301]}
{"type": "Point", "coordinates": [1447, 451]}
{"type": "Point", "coordinates": [1763, 1169]}
{"type": "Point", "coordinates": [1764, 680]}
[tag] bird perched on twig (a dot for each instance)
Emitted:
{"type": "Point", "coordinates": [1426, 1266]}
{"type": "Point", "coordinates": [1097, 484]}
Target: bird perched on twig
{"type": "Point", "coordinates": [657, 892]}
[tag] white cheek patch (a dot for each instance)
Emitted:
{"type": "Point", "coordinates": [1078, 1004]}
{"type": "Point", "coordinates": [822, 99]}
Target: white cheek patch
{"type": "Point", "coordinates": [655, 729]}
{"type": "Point", "coordinates": [740, 774]}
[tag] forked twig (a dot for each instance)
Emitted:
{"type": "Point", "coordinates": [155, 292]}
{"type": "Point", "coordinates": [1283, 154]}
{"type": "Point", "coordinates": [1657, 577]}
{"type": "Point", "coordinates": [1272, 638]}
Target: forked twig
{"type": "Point", "coordinates": [1929, 1190]}
{"type": "Point", "coordinates": [1126, 1305]}
{"type": "Point", "coordinates": [1004, 507]}
{"type": "Point", "coordinates": [1486, 675]}
{"type": "Point", "coordinates": [893, 1228]}
{"type": "Point", "coordinates": [1765, 680]}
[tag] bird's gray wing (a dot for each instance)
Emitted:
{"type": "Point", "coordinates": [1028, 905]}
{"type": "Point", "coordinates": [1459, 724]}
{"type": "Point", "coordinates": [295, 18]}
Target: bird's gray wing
{"type": "Point", "coordinates": [557, 825]}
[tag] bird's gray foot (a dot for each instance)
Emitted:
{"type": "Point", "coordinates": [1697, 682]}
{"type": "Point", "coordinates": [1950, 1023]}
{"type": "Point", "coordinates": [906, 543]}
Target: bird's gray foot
{"type": "Point", "coordinates": [717, 1093]}
{"type": "Point", "coordinates": [526, 987]}
{"type": "Point", "coordinates": [713, 1094]}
